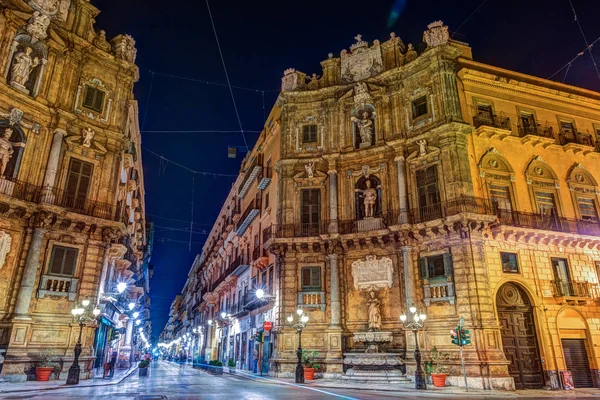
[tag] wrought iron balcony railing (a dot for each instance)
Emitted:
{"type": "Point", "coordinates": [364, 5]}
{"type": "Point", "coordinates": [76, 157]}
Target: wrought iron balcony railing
{"type": "Point", "coordinates": [483, 118]}
{"type": "Point", "coordinates": [561, 288]}
{"type": "Point", "coordinates": [537, 130]}
{"type": "Point", "coordinates": [575, 137]}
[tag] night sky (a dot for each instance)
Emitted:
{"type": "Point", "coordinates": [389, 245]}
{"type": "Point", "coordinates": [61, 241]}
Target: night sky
{"type": "Point", "coordinates": [261, 38]}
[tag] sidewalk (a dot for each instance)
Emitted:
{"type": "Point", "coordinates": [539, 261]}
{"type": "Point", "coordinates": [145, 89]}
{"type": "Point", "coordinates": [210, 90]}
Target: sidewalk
{"type": "Point", "coordinates": [119, 376]}
{"type": "Point", "coordinates": [431, 390]}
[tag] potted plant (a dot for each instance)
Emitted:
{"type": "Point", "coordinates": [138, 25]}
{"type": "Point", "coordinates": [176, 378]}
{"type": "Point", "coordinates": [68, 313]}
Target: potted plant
{"type": "Point", "coordinates": [308, 359]}
{"type": "Point", "coordinates": [143, 368]}
{"type": "Point", "coordinates": [438, 369]}
{"type": "Point", "coordinates": [44, 367]}
{"type": "Point", "coordinates": [231, 365]}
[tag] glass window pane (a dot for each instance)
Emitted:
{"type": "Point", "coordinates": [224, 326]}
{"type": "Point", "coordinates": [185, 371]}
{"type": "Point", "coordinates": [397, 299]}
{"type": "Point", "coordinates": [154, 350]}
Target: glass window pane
{"type": "Point", "coordinates": [58, 254]}
{"type": "Point", "coordinates": [509, 262]}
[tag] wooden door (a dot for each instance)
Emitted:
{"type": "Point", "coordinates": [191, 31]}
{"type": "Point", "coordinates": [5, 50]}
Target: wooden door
{"type": "Point", "coordinates": [577, 361]}
{"type": "Point", "coordinates": [519, 339]}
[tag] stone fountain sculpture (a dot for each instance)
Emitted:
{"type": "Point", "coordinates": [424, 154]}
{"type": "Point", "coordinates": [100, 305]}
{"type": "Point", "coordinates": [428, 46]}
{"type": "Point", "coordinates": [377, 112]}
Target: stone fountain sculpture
{"type": "Point", "coordinates": [370, 276]}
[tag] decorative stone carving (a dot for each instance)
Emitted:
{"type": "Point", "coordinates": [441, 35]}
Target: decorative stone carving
{"type": "Point", "coordinates": [49, 7]}
{"type": "Point", "coordinates": [436, 35]}
{"type": "Point", "coordinates": [313, 81]}
{"type": "Point", "coordinates": [21, 69]}
{"type": "Point", "coordinates": [14, 116]}
{"type": "Point", "coordinates": [373, 340]}
{"type": "Point", "coordinates": [127, 160]}
{"type": "Point", "coordinates": [309, 167]}
{"type": "Point", "coordinates": [361, 94]}
{"type": "Point", "coordinates": [110, 234]}
{"type": "Point", "coordinates": [362, 62]}
{"type": "Point", "coordinates": [289, 81]}
{"type": "Point", "coordinates": [372, 274]}
{"type": "Point", "coordinates": [37, 26]}
{"type": "Point", "coordinates": [124, 47]}
{"type": "Point", "coordinates": [5, 242]}
{"type": "Point", "coordinates": [374, 313]}
{"type": "Point", "coordinates": [87, 136]}
{"type": "Point", "coordinates": [6, 149]}
{"type": "Point", "coordinates": [411, 54]}
{"type": "Point", "coordinates": [365, 125]}
{"type": "Point", "coordinates": [422, 147]}
{"type": "Point", "coordinates": [44, 220]}
{"type": "Point", "coordinates": [101, 43]}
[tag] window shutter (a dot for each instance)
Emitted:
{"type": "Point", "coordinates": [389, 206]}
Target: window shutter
{"type": "Point", "coordinates": [57, 259]}
{"type": "Point", "coordinates": [423, 268]}
{"type": "Point", "coordinates": [88, 99]}
{"type": "Point", "coordinates": [448, 265]}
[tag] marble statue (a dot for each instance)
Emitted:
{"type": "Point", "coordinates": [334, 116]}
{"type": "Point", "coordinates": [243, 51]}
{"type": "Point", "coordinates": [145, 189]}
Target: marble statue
{"type": "Point", "coordinates": [370, 198]}
{"type": "Point", "coordinates": [5, 241]}
{"type": "Point", "coordinates": [422, 147]}
{"type": "Point", "coordinates": [22, 66]}
{"type": "Point", "coordinates": [310, 169]}
{"type": "Point", "coordinates": [365, 127]}
{"type": "Point", "coordinates": [6, 149]}
{"type": "Point", "coordinates": [88, 135]}
{"type": "Point", "coordinates": [411, 54]}
{"type": "Point", "coordinates": [374, 313]}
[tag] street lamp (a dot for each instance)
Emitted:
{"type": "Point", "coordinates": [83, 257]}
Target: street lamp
{"type": "Point", "coordinates": [121, 286]}
{"type": "Point", "coordinates": [415, 323]}
{"type": "Point", "coordinates": [298, 324]}
{"type": "Point", "coordinates": [81, 314]}
{"type": "Point", "coordinates": [260, 293]}
{"type": "Point", "coordinates": [131, 306]}
{"type": "Point", "coordinates": [136, 314]}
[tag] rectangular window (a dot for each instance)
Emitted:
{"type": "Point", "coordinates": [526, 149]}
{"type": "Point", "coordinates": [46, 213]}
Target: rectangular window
{"type": "Point", "coordinates": [266, 200]}
{"type": "Point", "coordinates": [63, 260]}
{"type": "Point", "coordinates": [545, 202]}
{"type": "Point", "coordinates": [500, 196]}
{"type": "Point", "coordinates": [310, 204]}
{"type": "Point", "coordinates": [562, 277]}
{"type": "Point", "coordinates": [587, 208]}
{"type": "Point", "coordinates": [510, 263]}
{"type": "Point", "coordinates": [528, 123]}
{"type": "Point", "coordinates": [484, 116]}
{"type": "Point", "coordinates": [419, 107]}
{"type": "Point", "coordinates": [79, 179]}
{"type": "Point", "coordinates": [93, 99]}
{"type": "Point", "coordinates": [428, 193]}
{"type": "Point", "coordinates": [311, 279]}
{"type": "Point", "coordinates": [439, 266]}
{"type": "Point", "coordinates": [309, 133]}
{"type": "Point", "coordinates": [567, 128]}
{"type": "Point", "coordinates": [597, 264]}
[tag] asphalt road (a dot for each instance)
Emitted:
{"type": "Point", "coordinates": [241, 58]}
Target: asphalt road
{"type": "Point", "coordinates": [168, 381]}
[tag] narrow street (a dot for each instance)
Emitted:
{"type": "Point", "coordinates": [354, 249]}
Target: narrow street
{"type": "Point", "coordinates": [169, 381]}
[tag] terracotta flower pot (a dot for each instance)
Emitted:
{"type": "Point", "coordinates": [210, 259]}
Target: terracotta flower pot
{"type": "Point", "coordinates": [43, 373]}
{"type": "Point", "coordinates": [439, 380]}
{"type": "Point", "coordinates": [309, 374]}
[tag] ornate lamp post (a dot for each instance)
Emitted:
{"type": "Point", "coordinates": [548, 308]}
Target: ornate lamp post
{"type": "Point", "coordinates": [298, 324]}
{"type": "Point", "coordinates": [81, 314]}
{"type": "Point", "coordinates": [415, 323]}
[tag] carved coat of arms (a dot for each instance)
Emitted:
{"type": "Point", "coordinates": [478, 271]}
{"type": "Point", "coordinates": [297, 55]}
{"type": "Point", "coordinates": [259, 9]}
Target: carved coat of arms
{"type": "Point", "coordinates": [362, 62]}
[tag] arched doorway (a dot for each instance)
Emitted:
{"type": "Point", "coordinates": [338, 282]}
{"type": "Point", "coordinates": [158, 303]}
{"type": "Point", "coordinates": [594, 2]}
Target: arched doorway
{"type": "Point", "coordinates": [519, 339]}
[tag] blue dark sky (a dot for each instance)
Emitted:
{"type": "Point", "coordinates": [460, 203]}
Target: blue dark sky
{"type": "Point", "coordinates": [261, 38]}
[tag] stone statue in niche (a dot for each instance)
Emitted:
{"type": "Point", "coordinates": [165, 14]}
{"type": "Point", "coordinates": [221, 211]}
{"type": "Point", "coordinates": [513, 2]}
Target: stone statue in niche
{"type": "Point", "coordinates": [310, 169]}
{"type": "Point", "coordinates": [364, 126]}
{"type": "Point", "coordinates": [88, 135]}
{"type": "Point", "coordinates": [6, 149]}
{"type": "Point", "coordinates": [369, 195]}
{"type": "Point", "coordinates": [422, 147]}
{"type": "Point", "coordinates": [374, 312]}
{"type": "Point", "coordinates": [21, 68]}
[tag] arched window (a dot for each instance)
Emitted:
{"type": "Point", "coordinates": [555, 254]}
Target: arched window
{"type": "Point", "coordinates": [584, 191]}
{"type": "Point", "coordinates": [17, 141]}
{"type": "Point", "coordinates": [543, 188]}
{"type": "Point", "coordinates": [365, 205]}
{"type": "Point", "coordinates": [498, 180]}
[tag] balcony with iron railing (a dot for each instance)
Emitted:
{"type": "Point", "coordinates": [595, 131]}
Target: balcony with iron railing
{"type": "Point", "coordinates": [548, 222]}
{"type": "Point", "coordinates": [575, 137]}
{"type": "Point", "coordinates": [252, 173]}
{"type": "Point", "coordinates": [248, 216]}
{"type": "Point", "coordinates": [19, 190]}
{"type": "Point", "coordinates": [265, 178]}
{"type": "Point", "coordinates": [482, 118]}
{"type": "Point", "coordinates": [58, 286]}
{"type": "Point", "coordinates": [575, 289]}
{"type": "Point", "coordinates": [545, 131]}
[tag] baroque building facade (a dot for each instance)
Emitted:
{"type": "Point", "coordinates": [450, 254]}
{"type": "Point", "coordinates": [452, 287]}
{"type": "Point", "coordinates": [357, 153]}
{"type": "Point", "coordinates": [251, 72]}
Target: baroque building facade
{"type": "Point", "coordinates": [426, 179]}
{"type": "Point", "coordinates": [72, 223]}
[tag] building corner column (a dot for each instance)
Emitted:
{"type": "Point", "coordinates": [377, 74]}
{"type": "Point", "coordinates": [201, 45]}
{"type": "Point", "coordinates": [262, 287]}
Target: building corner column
{"type": "Point", "coordinates": [334, 357]}
{"type": "Point", "coordinates": [402, 192]}
{"type": "Point", "coordinates": [52, 166]}
{"type": "Point", "coordinates": [29, 274]}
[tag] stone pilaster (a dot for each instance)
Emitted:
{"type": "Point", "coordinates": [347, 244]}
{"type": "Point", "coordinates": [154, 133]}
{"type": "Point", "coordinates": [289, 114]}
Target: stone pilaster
{"type": "Point", "coordinates": [334, 293]}
{"type": "Point", "coordinates": [409, 276]}
{"type": "Point", "coordinates": [402, 193]}
{"type": "Point", "coordinates": [29, 273]}
{"type": "Point", "coordinates": [53, 158]}
{"type": "Point", "coordinates": [333, 201]}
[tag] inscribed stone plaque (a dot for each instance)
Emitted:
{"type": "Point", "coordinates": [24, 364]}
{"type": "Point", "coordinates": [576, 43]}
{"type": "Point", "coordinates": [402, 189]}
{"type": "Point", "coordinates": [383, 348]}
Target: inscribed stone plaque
{"type": "Point", "coordinates": [372, 273]}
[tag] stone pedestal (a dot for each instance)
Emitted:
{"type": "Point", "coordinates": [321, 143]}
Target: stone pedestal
{"type": "Point", "coordinates": [370, 224]}
{"type": "Point", "coordinates": [375, 367]}
{"type": "Point", "coordinates": [19, 87]}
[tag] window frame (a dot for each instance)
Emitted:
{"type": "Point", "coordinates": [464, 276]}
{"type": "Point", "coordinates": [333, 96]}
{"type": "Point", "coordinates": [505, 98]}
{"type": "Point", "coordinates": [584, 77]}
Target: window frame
{"type": "Point", "coordinates": [93, 106]}
{"type": "Point", "coordinates": [311, 211]}
{"type": "Point", "coordinates": [416, 114]}
{"type": "Point", "coordinates": [76, 196]}
{"type": "Point", "coordinates": [318, 273]}
{"type": "Point", "coordinates": [425, 266]}
{"type": "Point", "coordinates": [516, 259]}
{"type": "Point", "coordinates": [66, 249]}
{"type": "Point", "coordinates": [305, 131]}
